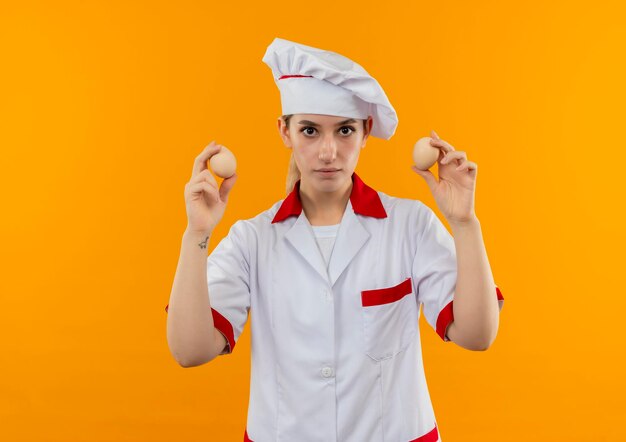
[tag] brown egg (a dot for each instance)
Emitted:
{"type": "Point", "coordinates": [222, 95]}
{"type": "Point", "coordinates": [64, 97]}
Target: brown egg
{"type": "Point", "coordinates": [424, 155]}
{"type": "Point", "coordinates": [223, 163]}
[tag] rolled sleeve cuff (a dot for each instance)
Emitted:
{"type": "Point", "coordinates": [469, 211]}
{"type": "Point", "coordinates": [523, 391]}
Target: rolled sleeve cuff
{"type": "Point", "coordinates": [446, 316]}
{"type": "Point", "coordinates": [223, 325]}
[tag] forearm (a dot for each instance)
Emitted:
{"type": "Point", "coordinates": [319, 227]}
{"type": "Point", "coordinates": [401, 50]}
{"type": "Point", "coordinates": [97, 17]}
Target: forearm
{"type": "Point", "coordinates": [190, 328]}
{"type": "Point", "coordinates": [475, 307]}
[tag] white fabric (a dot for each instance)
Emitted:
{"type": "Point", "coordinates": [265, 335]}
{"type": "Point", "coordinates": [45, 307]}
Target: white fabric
{"type": "Point", "coordinates": [325, 237]}
{"type": "Point", "coordinates": [328, 83]}
{"type": "Point", "coordinates": [324, 367]}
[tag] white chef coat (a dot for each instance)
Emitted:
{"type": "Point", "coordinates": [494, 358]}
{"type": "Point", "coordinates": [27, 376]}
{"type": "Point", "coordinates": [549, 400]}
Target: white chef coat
{"type": "Point", "coordinates": [336, 351]}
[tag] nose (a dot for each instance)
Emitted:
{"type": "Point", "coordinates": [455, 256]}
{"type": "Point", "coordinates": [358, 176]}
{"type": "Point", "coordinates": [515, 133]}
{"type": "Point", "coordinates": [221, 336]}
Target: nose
{"type": "Point", "coordinates": [328, 150]}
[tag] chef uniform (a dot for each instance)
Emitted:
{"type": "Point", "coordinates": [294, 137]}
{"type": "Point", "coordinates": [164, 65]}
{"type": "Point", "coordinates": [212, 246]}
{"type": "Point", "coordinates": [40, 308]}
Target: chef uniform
{"type": "Point", "coordinates": [335, 343]}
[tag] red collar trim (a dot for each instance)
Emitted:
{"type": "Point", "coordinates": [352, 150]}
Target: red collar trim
{"type": "Point", "coordinates": [294, 76]}
{"type": "Point", "coordinates": [364, 199]}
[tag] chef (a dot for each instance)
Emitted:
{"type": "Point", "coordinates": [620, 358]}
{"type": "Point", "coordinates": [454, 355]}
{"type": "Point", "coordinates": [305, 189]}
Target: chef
{"type": "Point", "coordinates": [333, 275]}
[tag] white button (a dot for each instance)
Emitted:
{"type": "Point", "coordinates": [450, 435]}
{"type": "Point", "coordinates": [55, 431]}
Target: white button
{"type": "Point", "coordinates": [327, 372]}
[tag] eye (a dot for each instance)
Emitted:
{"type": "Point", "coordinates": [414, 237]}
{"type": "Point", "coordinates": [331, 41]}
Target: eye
{"type": "Point", "coordinates": [307, 128]}
{"type": "Point", "coordinates": [348, 127]}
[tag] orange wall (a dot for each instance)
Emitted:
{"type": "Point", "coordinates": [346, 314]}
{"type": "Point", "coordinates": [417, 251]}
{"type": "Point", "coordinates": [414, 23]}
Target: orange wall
{"type": "Point", "coordinates": [104, 106]}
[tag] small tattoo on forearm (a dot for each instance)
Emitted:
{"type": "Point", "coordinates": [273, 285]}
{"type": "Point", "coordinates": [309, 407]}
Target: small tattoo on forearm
{"type": "Point", "coordinates": [204, 243]}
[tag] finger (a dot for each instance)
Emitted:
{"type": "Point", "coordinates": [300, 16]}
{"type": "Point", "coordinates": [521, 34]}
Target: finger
{"type": "Point", "coordinates": [226, 187]}
{"type": "Point", "coordinates": [212, 192]}
{"type": "Point", "coordinates": [457, 154]}
{"type": "Point", "coordinates": [203, 187]}
{"type": "Point", "coordinates": [433, 134]}
{"type": "Point", "coordinates": [205, 176]}
{"type": "Point", "coordinates": [442, 151]}
{"type": "Point", "coordinates": [200, 162]}
{"type": "Point", "coordinates": [442, 147]}
{"type": "Point", "coordinates": [467, 165]}
{"type": "Point", "coordinates": [442, 144]}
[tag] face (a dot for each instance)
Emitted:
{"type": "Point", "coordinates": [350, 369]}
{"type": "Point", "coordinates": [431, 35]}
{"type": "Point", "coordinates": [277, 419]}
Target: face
{"type": "Point", "coordinates": [326, 148]}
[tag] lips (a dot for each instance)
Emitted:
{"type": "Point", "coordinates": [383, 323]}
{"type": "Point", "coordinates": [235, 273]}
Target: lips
{"type": "Point", "coordinates": [327, 170]}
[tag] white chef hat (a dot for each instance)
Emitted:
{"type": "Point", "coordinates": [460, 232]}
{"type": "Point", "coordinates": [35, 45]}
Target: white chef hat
{"type": "Point", "coordinates": [315, 81]}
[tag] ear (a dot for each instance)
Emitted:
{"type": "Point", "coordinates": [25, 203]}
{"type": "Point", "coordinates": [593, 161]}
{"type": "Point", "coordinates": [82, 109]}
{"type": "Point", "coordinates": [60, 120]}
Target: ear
{"type": "Point", "coordinates": [284, 132]}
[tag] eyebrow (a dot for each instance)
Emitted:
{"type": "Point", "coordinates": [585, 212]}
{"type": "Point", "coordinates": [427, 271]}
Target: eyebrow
{"type": "Point", "coordinates": [311, 123]}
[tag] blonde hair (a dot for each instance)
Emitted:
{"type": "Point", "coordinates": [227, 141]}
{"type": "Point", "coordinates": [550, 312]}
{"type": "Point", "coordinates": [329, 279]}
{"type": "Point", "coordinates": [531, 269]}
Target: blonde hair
{"type": "Point", "coordinates": [293, 173]}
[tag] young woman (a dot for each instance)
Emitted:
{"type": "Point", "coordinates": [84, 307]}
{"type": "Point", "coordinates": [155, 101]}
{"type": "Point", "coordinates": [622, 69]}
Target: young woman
{"type": "Point", "coordinates": [334, 274]}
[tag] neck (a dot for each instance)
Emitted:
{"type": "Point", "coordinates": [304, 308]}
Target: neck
{"type": "Point", "coordinates": [324, 208]}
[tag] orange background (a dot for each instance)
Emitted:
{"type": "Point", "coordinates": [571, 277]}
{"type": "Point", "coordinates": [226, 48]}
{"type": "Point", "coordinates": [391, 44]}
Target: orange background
{"type": "Point", "coordinates": [104, 106]}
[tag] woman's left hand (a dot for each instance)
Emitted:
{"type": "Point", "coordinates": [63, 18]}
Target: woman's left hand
{"type": "Point", "coordinates": [454, 192]}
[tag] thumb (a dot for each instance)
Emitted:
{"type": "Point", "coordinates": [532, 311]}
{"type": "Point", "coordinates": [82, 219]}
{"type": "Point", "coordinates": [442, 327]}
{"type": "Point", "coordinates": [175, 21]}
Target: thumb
{"type": "Point", "coordinates": [428, 177]}
{"type": "Point", "coordinates": [226, 187]}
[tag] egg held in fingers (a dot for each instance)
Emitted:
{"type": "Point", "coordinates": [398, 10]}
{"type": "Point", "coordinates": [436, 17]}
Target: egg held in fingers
{"type": "Point", "coordinates": [424, 154]}
{"type": "Point", "coordinates": [223, 163]}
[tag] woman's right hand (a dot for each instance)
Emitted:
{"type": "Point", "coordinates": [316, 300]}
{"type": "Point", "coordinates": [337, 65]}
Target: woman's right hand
{"type": "Point", "coordinates": [206, 203]}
